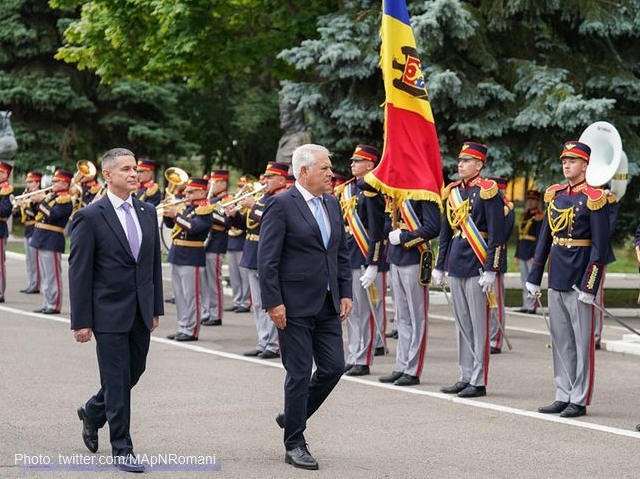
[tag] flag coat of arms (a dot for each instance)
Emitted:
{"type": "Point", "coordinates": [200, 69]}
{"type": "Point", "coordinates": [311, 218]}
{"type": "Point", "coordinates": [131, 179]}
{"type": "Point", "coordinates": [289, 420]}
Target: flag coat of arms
{"type": "Point", "coordinates": [411, 166]}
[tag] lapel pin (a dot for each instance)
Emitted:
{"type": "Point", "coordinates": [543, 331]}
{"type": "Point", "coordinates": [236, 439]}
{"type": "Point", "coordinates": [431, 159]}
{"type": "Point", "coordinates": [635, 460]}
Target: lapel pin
{"type": "Point", "coordinates": [141, 208]}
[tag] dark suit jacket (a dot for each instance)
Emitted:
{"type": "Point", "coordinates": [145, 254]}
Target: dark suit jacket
{"type": "Point", "coordinates": [293, 264]}
{"type": "Point", "coordinates": [106, 284]}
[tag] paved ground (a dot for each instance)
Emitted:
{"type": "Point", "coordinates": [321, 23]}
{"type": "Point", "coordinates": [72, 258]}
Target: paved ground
{"type": "Point", "coordinates": [205, 398]}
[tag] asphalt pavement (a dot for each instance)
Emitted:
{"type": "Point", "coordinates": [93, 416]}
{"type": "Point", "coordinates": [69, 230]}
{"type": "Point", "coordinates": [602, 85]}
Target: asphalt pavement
{"type": "Point", "coordinates": [203, 400]}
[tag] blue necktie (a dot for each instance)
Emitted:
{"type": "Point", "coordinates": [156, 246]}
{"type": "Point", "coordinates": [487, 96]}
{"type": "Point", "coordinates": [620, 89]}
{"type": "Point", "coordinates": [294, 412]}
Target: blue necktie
{"type": "Point", "coordinates": [320, 220]}
{"type": "Point", "coordinates": [132, 231]}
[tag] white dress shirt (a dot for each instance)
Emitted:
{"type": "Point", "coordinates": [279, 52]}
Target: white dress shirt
{"type": "Point", "coordinates": [308, 197]}
{"type": "Point", "coordinates": [117, 202]}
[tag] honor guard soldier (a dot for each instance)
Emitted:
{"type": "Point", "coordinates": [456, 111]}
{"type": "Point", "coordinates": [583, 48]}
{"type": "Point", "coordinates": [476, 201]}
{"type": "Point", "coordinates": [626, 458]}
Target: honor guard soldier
{"type": "Point", "coordinates": [53, 214]}
{"type": "Point", "coordinates": [290, 181]}
{"type": "Point", "coordinates": [575, 240]}
{"type": "Point", "coordinates": [363, 211]}
{"type": "Point", "coordinates": [28, 210]}
{"type": "Point", "coordinates": [336, 181]}
{"type": "Point", "coordinates": [148, 190]}
{"type": "Point", "coordinates": [471, 251]}
{"type": "Point", "coordinates": [90, 188]}
{"type": "Point", "coordinates": [215, 249]}
{"type": "Point", "coordinates": [418, 221]}
{"type": "Point", "coordinates": [239, 277]}
{"type": "Point", "coordinates": [191, 224]}
{"type": "Point", "coordinates": [276, 178]}
{"type": "Point", "coordinates": [6, 207]}
{"type": "Point", "coordinates": [528, 231]}
{"type": "Point", "coordinates": [497, 314]}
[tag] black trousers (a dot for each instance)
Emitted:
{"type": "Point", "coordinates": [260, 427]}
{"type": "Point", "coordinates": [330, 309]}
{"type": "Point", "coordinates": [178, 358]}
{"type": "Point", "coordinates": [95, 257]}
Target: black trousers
{"type": "Point", "coordinates": [121, 358]}
{"type": "Point", "coordinates": [304, 340]}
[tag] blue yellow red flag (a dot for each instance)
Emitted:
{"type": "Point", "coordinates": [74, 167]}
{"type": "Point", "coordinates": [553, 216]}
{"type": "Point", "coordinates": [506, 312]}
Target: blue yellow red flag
{"type": "Point", "coordinates": [411, 166]}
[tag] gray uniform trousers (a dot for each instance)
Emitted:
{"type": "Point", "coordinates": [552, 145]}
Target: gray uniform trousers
{"type": "Point", "coordinates": [471, 309]}
{"type": "Point", "coordinates": [497, 314]}
{"type": "Point", "coordinates": [212, 290]}
{"type": "Point", "coordinates": [239, 280]}
{"type": "Point", "coordinates": [525, 268]}
{"type": "Point", "coordinates": [599, 315]}
{"type": "Point", "coordinates": [362, 330]}
{"type": "Point", "coordinates": [50, 279]}
{"type": "Point", "coordinates": [572, 327]}
{"type": "Point", "coordinates": [33, 275]}
{"type": "Point", "coordinates": [267, 331]}
{"type": "Point", "coordinates": [188, 294]}
{"type": "Point", "coordinates": [3, 266]}
{"type": "Point", "coordinates": [412, 302]}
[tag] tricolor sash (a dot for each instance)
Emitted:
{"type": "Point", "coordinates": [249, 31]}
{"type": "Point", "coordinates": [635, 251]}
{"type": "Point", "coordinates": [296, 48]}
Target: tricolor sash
{"type": "Point", "coordinates": [468, 227]}
{"type": "Point", "coordinates": [411, 219]}
{"type": "Point", "coordinates": [355, 223]}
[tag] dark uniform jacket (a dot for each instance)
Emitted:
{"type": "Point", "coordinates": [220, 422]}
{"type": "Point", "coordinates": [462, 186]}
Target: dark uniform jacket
{"type": "Point", "coordinates": [574, 237]}
{"type": "Point", "coordinates": [218, 237]}
{"type": "Point", "coordinates": [528, 231]}
{"type": "Point", "coordinates": [149, 192]}
{"type": "Point", "coordinates": [52, 216]}
{"type": "Point", "coordinates": [5, 208]}
{"type": "Point", "coordinates": [407, 252]}
{"type": "Point", "coordinates": [190, 230]}
{"type": "Point", "coordinates": [28, 217]}
{"type": "Point", "coordinates": [89, 192]}
{"type": "Point", "coordinates": [253, 220]}
{"type": "Point", "coordinates": [486, 208]}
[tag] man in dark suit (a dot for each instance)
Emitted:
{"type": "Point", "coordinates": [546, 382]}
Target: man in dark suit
{"type": "Point", "coordinates": [115, 284]}
{"type": "Point", "coordinates": [305, 279]}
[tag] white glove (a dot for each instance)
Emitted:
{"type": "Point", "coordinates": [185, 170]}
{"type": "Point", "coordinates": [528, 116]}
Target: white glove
{"type": "Point", "coordinates": [533, 289]}
{"type": "Point", "coordinates": [486, 280]}
{"type": "Point", "coordinates": [369, 276]}
{"type": "Point", "coordinates": [437, 277]}
{"type": "Point", "coordinates": [586, 297]}
{"type": "Point", "coordinates": [394, 237]}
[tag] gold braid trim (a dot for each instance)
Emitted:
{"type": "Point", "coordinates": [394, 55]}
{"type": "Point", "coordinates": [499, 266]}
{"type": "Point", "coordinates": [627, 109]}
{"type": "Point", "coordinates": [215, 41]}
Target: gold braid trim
{"type": "Point", "coordinates": [458, 215]}
{"type": "Point", "coordinates": [592, 277]}
{"type": "Point", "coordinates": [594, 205]}
{"type": "Point", "coordinates": [63, 200]}
{"type": "Point", "coordinates": [564, 220]}
{"type": "Point", "coordinates": [638, 253]}
{"type": "Point", "coordinates": [205, 210]}
{"type": "Point", "coordinates": [487, 194]}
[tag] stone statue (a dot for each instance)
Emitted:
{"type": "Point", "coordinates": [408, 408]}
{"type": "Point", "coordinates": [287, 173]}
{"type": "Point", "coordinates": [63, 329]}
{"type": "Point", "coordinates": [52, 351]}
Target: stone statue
{"type": "Point", "coordinates": [295, 132]}
{"type": "Point", "coordinates": [8, 144]}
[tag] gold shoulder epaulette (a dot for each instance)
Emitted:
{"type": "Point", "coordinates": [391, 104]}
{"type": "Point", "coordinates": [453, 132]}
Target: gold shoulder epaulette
{"type": "Point", "coordinates": [488, 189]}
{"type": "Point", "coordinates": [6, 190]}
{"type": "Point", "coordinates": [596, 198]}
{"type": "Point", "coordinates": [63, 199]}
{"type": "Point", "coordinates": [552, 190]}
{"type": "Point", "coordinates": [205, 210]}
{"type": "Point", "coordinates": [370, 194]}
{"type": "Point", "coordinates": [447, 189]}
{"type": "Point", "coordinates": [152, 190]}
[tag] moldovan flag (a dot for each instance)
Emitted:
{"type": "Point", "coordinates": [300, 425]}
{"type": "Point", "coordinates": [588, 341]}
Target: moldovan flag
{"type": "Point", "coordinates": [411, 167]}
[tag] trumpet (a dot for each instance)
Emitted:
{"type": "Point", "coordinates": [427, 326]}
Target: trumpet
{"type": "Point", "coordinates": [251, 190]}
{"type": "Point", "coordinates": [32, 193]}
{"type": "Point", "coordinates": [162, 206]}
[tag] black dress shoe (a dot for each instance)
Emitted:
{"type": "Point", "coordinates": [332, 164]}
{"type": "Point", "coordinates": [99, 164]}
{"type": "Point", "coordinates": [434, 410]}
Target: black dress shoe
{"type": "Point", "coordinates": [170, 300]}
{"type": "Point", "coordinates": [172, 336]}
{"type": "Point", "coordinates": [553, 408]}
{"type": "Point", "coordinates": [211, 322]}
{"type": "Point", "coordinates": [473, 392]}
{"type": "Point", "coordinates": [269, 354]}
{"type": "Point", "coordinates": [358, 370]}
{"type": "Point", "coordinates": [455, 389]}
{"type": "Point", "coordinates": [637, 427]}
{"type": "Point", "coordinates": [522, 310]}
{"type": "Point", "coordinates": [1, 300]}
{"type": "Point", "coordinates": [230, 309]}
{"type": "Point", "coordinates": [407, 380]}
{"type": "Point", "coordinates": [495, 350]}
{"type": "Point", "coordinates": [128, 463]}
{"type": "Point", "coordinates": [381, 351]}
{"type": "Point", "coordinates": [393, 334]}
{"type": "Point", "coordinates": [574, 410]}
{"type": "Point", "coordinates": [89, 431]}
{"type": "Point", "coordinates": [347, 367]}
{"type": "Point", "coordinates": [530, 311]}
{"type": "Point", "coordinates": [252, 353]}
{"type": "Point", "coordinates": [50, 311]}
{"type": "Point", "coordinates": [185, 337]}
{"type": "Point", "coordinates": [30, 291]}
{"type": "Point", "coordinates": [38, 310]}
{"type": "Point", "coordinates": [280, 420]}
{"type": "Point", "coordinates": [301, 457]}
{"type": "Point", "coordinates": [241, 309]}
{"type": "Point", "coordinates": [391, 378]}
{"type": "Point", "coordinates": [598, 346]}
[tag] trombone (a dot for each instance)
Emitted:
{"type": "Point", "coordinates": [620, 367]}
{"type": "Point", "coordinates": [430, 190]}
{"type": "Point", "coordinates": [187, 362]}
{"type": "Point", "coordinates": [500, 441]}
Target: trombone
{"type": "Point", "coordinates": [85, 168]}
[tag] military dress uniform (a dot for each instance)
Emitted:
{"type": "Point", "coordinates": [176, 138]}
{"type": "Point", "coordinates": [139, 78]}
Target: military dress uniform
{"type": "Point", "coordinates": [498, 313]}
{"type": "Point", "coordinates": [89, 191]}
{"type": "Point", "coordinates": [149, 191]}
{"type": "Point", "coordinates": [48, 239]}
{"type": "Point", "coordinates": [28, 211]}
{"type": "Point", "coordinates": [216, 248]}
{"type": "Point", "coordinates": [5, 213]}
{"type": "Point", "coordinates": [528, 231]}
{"type": "Point", "coordinates": [187, 258]}
{"type": "Point", "coordinates": [574, 238]}
{"type": "Point", "coordinates": [472, 240]}
{"type": "Point", "coordinates": [238, 277]}
{"type": "Point", "coordinates": [267, 345]}
{"type": "Point", "coordinates": [363, 209]}
{"type": "Point", "coordinates": [418, 222]}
